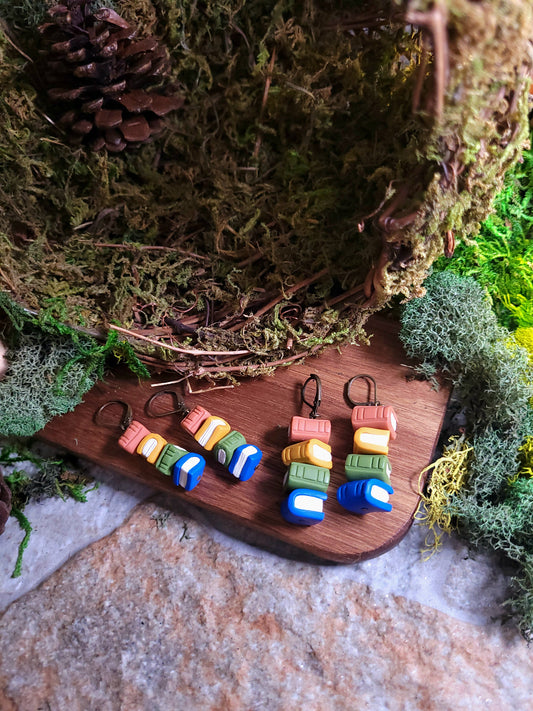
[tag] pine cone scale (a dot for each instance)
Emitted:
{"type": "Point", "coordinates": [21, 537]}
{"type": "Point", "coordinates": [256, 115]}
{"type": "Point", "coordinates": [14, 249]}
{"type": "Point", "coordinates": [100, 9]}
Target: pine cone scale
{"type": "Point", "coordinates": [135, 129]}
{"type": "Point", "coordinates": [108, 118]}
{"type": "Point", "coordinates": [114, 89]}
{"type": "Point", "coordinates": [92, 106]}
{"type": "Point", "coordinates": [137, 100]}
{"type": "Point", "coordinates": [146, 45]}
{"type": "Point", "coordinates": [105, 14]}
{"type": "Point", "coordinates": [82, 127]}
{"type": "Point", "coordinates": [162, 105]}
{"type": "Point", "coordinates": [77, 56]}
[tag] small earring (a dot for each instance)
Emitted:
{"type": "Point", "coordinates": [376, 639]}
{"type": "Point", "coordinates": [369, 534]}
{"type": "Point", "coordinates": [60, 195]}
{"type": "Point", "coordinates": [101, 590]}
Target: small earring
{"type": "Point", "coordinates": [368, 468]}
{"type": "Point", "coordinates": [309, 461]}
{"type": "Point", "coordinates": [213, 433]}
{"type": "Point", "coordinates": [184, 467]}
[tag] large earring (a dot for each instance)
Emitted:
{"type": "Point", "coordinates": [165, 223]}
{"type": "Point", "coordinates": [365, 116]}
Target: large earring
{"type": "Point", "coordinates": [368, 467]}
{"type": "Point", "coordinates": [184, 467]}
{"type": "Point", "coordinates": [214, 434]}
{"type": "Point", "coordinates": [309, 461]}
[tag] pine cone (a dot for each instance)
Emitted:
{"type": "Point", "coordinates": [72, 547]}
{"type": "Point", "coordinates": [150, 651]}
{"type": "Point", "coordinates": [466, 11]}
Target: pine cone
{"type": "Point", "coordinates": [5, 503]}
{"type": "Point", "coordinates": [97, 72]}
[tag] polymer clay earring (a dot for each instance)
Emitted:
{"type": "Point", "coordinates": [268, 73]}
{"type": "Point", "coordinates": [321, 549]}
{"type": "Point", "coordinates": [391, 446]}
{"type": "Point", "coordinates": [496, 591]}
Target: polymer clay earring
{"type": "Point", "coordinates": [309, 461]}
{"type": "Point", "coordinates": [214, 434]}
{"type": "Point", "coordinates": [184, 467]}
{"type": "Point", "coordinates": [368, 467]}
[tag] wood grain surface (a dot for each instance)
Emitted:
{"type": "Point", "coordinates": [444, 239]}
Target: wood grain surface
{"type": "Point", "coordinates": [261, 408]}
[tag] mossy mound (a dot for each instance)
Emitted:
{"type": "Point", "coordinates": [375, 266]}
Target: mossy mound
{"type": "Point", "coordinates": [326, 154]}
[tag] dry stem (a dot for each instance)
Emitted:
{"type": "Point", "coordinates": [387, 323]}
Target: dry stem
{"type": "Point", "coordinates": [177, 349]}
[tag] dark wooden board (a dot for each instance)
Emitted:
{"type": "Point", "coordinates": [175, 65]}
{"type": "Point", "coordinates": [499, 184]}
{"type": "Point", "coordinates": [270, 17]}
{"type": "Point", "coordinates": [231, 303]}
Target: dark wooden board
{"type": "Point", "coordinates": [261, 409]}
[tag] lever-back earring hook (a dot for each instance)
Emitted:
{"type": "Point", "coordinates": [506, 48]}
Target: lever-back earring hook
{"type": "Point", "coordinates": [179, 406]}
{"type": "Point", "coordinates": [318, 395]}
{"type": "Point", "coordinates": [371, 383]}
{"type": "Point", "coordinates": [124, 422]}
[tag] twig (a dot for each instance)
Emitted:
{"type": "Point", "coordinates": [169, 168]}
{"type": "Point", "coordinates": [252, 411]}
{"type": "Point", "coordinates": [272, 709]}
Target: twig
{"type": "Point", "coordinates": [286, 294]}
{"type": "Point", "coordinates": [7, 33]}
{"type": "Point", "coordinates": [207, 390]}
{"type": "Point", "coordinates": [364, 21]}
{"type": "Point", "coordinates": [434, 21]}
{"type": "Point", "coordinates": [252, 366]}
{"type": "Point", "coordinates": [8, 281]}
{"type": "Point", "coordinates": [346, 295]}
{"type": "Point", "coordinates": [187, 351]}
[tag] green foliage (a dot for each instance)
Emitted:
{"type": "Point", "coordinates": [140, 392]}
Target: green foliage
{"type": "Point", "coordinates": [23, 13]}
{"type": "Point", "coordinates": [51, 366]}
{"type": "Point", "coordinates": [501, 258]}
{"type": "Point", "coordinates": [522, 602]}
{"type": "Point", "coordinates": [26, 527]}
{"type": "Point", "coordinates": [505, 525]}
{"type": "Point", "coordinates": [454, 329]}
{"type": "Point", "coordinates": [51, 478]}
{"type": "Point", "coordinates": [296, 127]}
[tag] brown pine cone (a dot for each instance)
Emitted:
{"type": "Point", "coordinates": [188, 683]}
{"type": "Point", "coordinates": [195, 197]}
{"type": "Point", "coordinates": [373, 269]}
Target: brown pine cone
{"type": "Point", "coordinates": [5, 503]}
{"type": "Point", "coordinates": [97, 73]}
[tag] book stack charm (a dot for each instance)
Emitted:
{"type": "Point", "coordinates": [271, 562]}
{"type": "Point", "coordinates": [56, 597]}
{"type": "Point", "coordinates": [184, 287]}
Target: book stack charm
{"type": "Point", "coordinates": [215, 435]}
{"type": "Point", "coordinates": [368, 467]}
{"type": "Point", "coordinates": [308, 461]}
{"type": "Point", "coordinates": [184, 467]}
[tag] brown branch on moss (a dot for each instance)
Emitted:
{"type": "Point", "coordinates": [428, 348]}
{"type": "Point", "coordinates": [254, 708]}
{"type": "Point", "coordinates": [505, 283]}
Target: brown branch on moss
{"type": "Point", "coordinates": [434, 22]}
{"type": "Point", "coordinates": [289, 292]}
{"type": "Point", "coordinates": [345, 295]}
{"type": "Point", "coordinates": [245, 367]}
{"type": "Point", "coordinates": [176, 349]}
{"type": "Point", "coordinates": [7, 34]}
{"type": "Point", "coordinates": [149, 248]}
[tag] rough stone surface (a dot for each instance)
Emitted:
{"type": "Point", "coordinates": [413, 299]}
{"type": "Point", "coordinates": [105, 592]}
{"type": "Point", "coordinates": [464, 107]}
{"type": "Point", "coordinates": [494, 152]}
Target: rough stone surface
{"type": "Point", "coordinates": [62, 528]}
{"type": "Point", "coordinates": [174, 615]}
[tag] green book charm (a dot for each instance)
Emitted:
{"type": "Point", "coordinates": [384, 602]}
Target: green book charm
{"type": "Point", "coordinates": [168, 457]}
{"type": "Point", "coordinates": [368, 466]}
{"type": "Point", "coordinates": [306, 476]}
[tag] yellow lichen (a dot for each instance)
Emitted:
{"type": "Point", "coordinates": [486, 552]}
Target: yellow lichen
{"type": "Point", "coordinates": [448, 476]}
{"type": "Point", "coordinates": [524, 337]}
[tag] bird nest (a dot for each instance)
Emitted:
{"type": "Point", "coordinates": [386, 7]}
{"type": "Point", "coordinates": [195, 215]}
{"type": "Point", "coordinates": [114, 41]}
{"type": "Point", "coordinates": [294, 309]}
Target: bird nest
{"type": "Point", "coordinates": [315, 159]}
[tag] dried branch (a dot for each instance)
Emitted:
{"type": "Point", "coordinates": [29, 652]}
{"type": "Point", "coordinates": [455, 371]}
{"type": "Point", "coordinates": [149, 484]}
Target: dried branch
{"type": "Point", "coordinates": [177, 349]}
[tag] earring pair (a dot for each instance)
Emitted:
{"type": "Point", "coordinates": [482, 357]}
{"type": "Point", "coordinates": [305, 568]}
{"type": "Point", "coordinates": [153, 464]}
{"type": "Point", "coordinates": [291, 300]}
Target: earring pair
{"type": "Point", "coordinates": [186, 468]}
{"type": "Point", "coordinates": [309, 458]}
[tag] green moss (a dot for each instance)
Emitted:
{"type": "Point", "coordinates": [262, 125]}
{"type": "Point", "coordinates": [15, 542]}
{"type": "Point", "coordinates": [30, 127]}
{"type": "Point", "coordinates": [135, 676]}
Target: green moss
{"type": "Point", "coordinates": [294, 131]}
{"type": "Point", "coordinates": [51, 366]}
{"type": "Point", "coordinates": [454, 329]}
{"type": "Point", "coordinates": [501, 258]}
{"type": "Point", "coordinates": [50, 478]}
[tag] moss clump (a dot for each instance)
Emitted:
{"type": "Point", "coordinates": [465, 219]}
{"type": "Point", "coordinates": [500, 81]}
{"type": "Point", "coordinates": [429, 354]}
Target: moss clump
{"type": "Point", "coordinates": [50, 478]}
{"type": "Point", "coordinates": [51, 366]}
{"type": "Point", "coordinates": [501, 258]}
{"type": "Point", "coordinates": [322, 157]}
{"type": "Point", "coordinates": [454, 329]}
